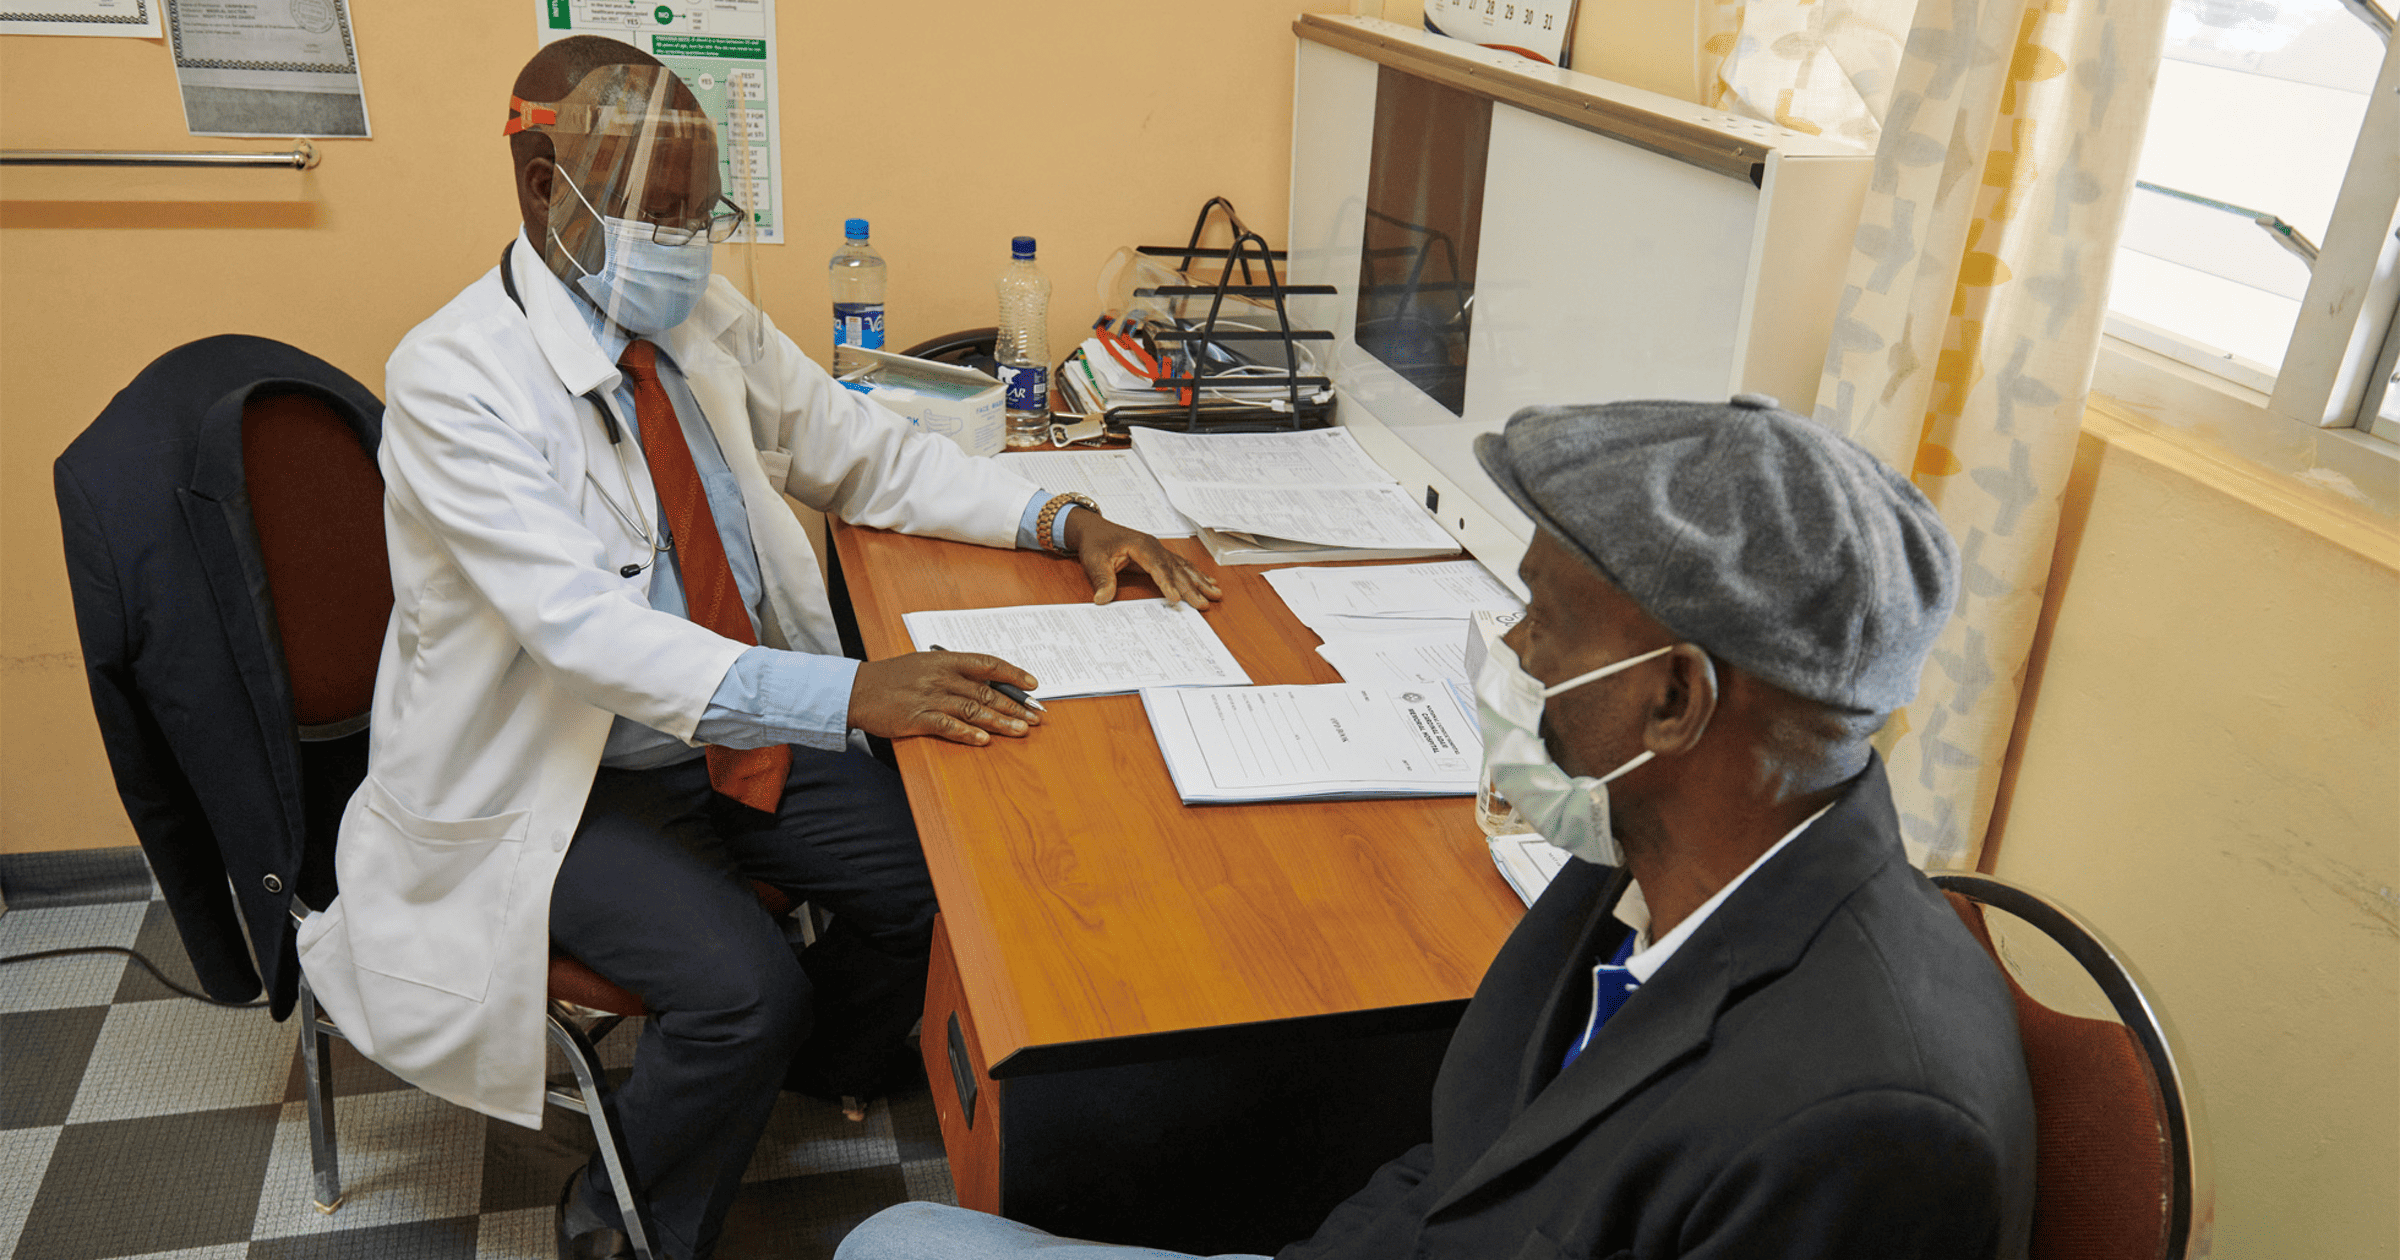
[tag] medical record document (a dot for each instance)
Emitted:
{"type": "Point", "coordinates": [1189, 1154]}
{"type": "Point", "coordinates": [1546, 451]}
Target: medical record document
{"type": "Point", "coordinates": [1334, 741]}
{"type": "Point", "coordinates": [1088, 649]}
{"type": "Point", "coordinates": [1118, 480]}
{"type": "Point", "coordinates": [1301, 496]}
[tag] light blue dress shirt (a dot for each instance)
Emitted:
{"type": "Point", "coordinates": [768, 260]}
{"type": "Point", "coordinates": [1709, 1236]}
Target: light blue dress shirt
{"type": "Point", "coordinates": [770, 696]}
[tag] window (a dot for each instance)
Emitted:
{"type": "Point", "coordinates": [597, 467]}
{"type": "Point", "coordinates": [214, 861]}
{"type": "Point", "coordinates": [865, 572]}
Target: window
{"type": "Point", "coordinates": [2259, 241]}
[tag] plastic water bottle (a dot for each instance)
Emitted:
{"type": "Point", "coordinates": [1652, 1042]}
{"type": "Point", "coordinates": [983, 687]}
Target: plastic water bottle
{"type": "Point", "coordinates": [1024, 349]}
{"type": "Point", "coordinates": [856, 278]}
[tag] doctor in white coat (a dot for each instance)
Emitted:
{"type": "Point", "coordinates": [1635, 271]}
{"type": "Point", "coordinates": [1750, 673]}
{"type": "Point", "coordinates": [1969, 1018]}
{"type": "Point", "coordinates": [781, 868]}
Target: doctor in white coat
{"type": "Point", "coordinates": [595, 576]}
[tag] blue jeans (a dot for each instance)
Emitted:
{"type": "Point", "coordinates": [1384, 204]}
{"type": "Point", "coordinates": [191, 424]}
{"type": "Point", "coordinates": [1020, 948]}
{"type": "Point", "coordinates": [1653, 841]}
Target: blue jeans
{"type": "Point", "coordinates": [931, 1231]}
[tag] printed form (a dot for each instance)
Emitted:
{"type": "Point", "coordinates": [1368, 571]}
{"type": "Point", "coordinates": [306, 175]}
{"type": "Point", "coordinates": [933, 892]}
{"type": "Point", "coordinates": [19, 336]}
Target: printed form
{"type": "Point", "coordinates": [1334, 741]}
{"type": "Point", "coordinates": [1313, 486]}
{"type": "Point", "coordinates": [1395, 625]}
{"type": "Point", "coordinates": [1449, 589]}
{"type": "Point", "coordinates": [1527, 862]}
{"type": "Point", "coordinates": [1088, 649]}
{"type": "Point", "coordinates": [1117, 480]}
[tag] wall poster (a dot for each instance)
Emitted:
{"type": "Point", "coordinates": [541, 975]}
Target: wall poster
{"type": "Point", "coordinates": [718, 48]}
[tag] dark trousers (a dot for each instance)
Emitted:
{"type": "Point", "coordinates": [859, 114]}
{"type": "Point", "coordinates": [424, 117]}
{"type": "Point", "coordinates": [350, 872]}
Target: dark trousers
{"type": "Point", "coordinates": [653, 895]}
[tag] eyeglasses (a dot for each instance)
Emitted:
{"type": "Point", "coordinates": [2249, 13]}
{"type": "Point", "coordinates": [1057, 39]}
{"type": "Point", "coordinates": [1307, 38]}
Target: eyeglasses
{"type": "Point", "coordinates": [723, 219]}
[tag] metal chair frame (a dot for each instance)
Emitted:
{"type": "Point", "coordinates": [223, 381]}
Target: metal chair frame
{"type": "Point", "coordinates": [574, 1030]}
{"type": "Point", "coordinates": [2189, 1207]}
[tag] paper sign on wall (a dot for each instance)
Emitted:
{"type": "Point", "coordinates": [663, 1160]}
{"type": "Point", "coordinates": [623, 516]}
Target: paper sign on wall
{"type": "Point", "coordinates": [718, 48]}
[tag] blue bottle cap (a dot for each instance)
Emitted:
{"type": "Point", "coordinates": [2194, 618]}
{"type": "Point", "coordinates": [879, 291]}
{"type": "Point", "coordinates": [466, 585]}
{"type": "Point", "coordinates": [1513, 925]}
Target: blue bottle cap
{"type": "Point", "coordinates": [1021, 247]}
{"type": "Point", "coordinates": [854, 229]}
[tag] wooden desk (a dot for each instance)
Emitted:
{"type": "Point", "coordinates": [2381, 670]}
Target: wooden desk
{"type": "Point", "coordinates": [1192, 1027]}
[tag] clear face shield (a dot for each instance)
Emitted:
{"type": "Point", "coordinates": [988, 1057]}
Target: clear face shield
{"type": "Point", "coordinates": [644, 207]}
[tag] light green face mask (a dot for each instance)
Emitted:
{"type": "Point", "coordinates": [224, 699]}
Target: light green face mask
{"type": "Point", "coordinates": [1568, 811]}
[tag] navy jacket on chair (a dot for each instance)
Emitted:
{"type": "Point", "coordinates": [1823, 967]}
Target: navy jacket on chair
{"type": "Point", "coordinates": [184, 648]}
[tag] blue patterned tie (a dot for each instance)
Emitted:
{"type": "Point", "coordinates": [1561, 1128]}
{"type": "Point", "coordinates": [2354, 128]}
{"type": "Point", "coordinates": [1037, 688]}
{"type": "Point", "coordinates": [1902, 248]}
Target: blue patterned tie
{"type": "Point", "coordinates": [1612, 983]}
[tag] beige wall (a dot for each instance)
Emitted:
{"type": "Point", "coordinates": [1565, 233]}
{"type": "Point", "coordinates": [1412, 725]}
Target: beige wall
{"type": "Point", "coordinates": [2208, 768]}
{"type": "Point", "coordinates": [1126, 118]}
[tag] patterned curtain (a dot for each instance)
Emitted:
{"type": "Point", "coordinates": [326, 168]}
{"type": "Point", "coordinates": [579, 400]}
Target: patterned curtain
{"type": "Point", "coordinates": [1825, 67]}
{"type": "Point", "coordinates": [1969, 323]}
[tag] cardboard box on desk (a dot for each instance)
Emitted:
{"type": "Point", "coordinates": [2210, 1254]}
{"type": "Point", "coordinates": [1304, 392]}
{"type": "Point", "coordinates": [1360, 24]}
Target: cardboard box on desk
{"type": "Point", "coordinates": [959, 403]}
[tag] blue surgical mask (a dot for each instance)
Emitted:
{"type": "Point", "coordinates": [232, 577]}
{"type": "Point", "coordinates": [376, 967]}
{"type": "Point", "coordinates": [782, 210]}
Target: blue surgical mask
{"type": "Point", "coordinates": [642, 286]}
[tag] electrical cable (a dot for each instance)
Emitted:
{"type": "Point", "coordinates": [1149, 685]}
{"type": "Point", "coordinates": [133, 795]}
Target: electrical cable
{"type": "Point", "coordinates": [147, 965]}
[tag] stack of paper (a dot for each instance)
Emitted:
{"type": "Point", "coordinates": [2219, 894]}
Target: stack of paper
{"type": "Point", "coordinates": [1094, 380]}
{"type": "Point", "coordinates": [1329, 742]}
{"type": "Point", "coordinates": [1396, 625]}
{"type": "Point", "coordinates": [1088, 649]}
{"type": "Point", "coordinates": [1260, 498]}
{"type": "Point", "coordinates": [1117, 480]}
{"type": "Point", "coordinates": [1528, 863]}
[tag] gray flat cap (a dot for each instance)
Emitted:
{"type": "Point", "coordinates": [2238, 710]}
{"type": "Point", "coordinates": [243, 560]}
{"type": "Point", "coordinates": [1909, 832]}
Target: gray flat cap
{"type": "Point", "coordinates": [1775, 543]}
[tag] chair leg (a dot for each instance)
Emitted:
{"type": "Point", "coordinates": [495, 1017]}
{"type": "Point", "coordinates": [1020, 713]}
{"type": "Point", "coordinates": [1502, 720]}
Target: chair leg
{"type": "Point", "coordinates": [591, 1080]}
{"type": "Point", "coordinates": [316, 1058]}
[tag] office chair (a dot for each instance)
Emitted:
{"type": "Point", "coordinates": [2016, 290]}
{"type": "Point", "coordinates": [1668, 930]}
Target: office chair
{"type": "Point", "coordinates": [2120, 1150]}
{"type": "Point", "coordinates": [976, 348]}
{"type": "Point", "coordinates": [227, 510]}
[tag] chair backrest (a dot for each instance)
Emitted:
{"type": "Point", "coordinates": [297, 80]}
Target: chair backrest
{"type": "Point", "coordinates": [976, 348]}
{"type": "Point", "coordinates": [2120, 1156]}
{"type": "Point", "coordinates": [316, 504]}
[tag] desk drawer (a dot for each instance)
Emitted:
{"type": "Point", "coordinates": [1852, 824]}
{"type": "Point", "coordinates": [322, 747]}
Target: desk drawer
{"type": "Point", "coordinates": [965, 1097]}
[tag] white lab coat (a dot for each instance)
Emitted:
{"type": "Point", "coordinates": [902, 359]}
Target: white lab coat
{"type": "Point", "coordinates": [514, 643]}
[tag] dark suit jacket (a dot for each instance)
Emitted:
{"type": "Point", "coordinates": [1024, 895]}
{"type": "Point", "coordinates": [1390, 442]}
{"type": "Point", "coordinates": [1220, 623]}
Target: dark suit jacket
{"type": "Point", "coordinates": [1828, 1067]}
{"type": "Point", "coordinates": [180, 647]}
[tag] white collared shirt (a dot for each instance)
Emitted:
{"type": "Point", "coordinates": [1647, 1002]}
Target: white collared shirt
{"type": "Point", "coordinates": [1633, 910]}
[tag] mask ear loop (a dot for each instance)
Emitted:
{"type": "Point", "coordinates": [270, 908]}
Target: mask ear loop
{"type": "Point", "coordinates": [1619, 667]}
{"type": "Point", "coordinates": [597, 217]}
{"type": "Point", "coordinates": [1708, 667]}
{"type": "Point", "coordinates": [1605, 670]}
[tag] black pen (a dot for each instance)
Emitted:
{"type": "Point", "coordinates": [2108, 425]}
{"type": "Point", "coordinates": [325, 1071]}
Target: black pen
{"type": "Point", "coordinates": [1014, 693]}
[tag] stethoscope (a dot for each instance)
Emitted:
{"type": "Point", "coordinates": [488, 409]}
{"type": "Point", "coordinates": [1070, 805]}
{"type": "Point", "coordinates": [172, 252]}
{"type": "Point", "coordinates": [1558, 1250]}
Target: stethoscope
{"type": "Point", "coordinates": [656, 537]}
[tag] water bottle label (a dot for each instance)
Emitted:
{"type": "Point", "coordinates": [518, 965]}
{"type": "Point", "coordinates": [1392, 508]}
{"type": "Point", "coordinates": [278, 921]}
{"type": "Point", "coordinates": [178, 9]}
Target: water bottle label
{"type": "Point", "coordinates": [858, 324]}
{"type": "Point", "coordinates": [1028, 387]}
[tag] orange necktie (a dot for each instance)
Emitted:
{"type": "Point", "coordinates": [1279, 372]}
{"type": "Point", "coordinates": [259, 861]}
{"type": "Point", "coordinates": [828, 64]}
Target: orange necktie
{"type": "Point", "coordinates": [753, 776]}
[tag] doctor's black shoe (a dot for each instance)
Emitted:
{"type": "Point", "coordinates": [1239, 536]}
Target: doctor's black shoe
{"type": "Point", "coordinates": [591, 1239]}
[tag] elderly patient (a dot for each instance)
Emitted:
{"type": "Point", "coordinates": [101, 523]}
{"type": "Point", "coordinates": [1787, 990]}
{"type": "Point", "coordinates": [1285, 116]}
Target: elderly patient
{"type": "Point", "coordinates": [1741, 1024]}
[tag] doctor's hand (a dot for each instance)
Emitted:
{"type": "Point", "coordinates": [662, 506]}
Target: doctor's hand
{"type": "Point", "coordinates": [948, 694]}
{"type": "Point", "coordinates": [1105, 547]}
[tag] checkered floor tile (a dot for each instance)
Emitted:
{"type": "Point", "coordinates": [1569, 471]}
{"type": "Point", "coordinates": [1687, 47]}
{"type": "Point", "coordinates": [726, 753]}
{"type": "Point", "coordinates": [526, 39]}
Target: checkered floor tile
{"type": "Point", "coordinates": [136, 1123]}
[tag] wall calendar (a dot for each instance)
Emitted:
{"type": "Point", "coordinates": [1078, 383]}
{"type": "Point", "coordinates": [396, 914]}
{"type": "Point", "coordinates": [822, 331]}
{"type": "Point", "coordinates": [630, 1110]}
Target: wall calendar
{"type": "Point", "coordinates": [1541, 29]}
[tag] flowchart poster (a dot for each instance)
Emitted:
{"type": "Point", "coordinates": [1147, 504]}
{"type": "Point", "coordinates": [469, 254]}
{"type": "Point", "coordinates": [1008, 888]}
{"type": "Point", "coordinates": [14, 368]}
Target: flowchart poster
{"type": "Point", "coordinates": [724, 50]}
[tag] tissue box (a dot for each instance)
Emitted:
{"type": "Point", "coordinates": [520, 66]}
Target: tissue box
{"type": "Point", "coordinates": [959, 403]}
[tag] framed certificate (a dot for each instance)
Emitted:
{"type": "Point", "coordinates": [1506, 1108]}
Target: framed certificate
{"type": "Point", "coordinates": [138, 18]}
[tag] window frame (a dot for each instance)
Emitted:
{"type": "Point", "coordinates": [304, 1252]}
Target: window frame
{"type": "Point", "coordinates": [2312, 417]}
